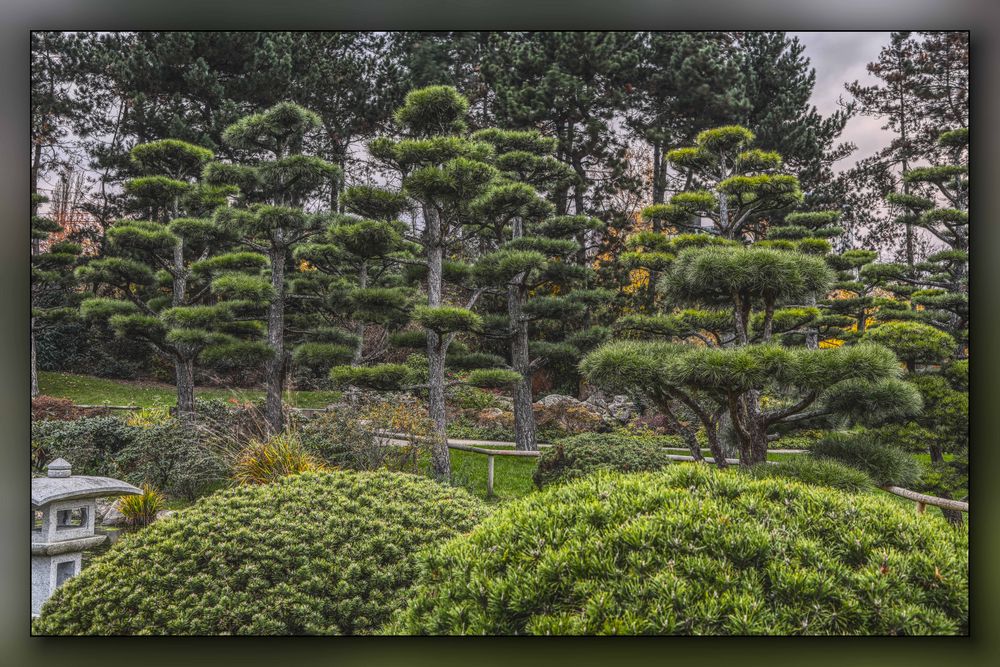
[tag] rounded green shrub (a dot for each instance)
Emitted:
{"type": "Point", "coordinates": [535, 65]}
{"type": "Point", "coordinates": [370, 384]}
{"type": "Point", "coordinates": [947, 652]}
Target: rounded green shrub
{"type": "Point", "coordinates": [885, 464]}
{"type": "Point", "coordinates": [315, 553]}
{"type": "Point", "coordinates": [695, 550]}
{"type": "Point", "coordinates": [821, 472]}
{"type": "Point", "coordinates": [580, 455]}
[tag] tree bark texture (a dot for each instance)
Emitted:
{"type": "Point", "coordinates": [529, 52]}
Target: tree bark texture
{"type": "Point", "coordinates": [437, 347]}
{"type": "Point", "coordinates": [275, 367]}
{"type": "Point", "coordinates": [525, 437]}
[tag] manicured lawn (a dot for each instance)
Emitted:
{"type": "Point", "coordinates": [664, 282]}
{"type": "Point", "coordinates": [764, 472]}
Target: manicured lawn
{"type": "Point", "coordinates": [89, 390]}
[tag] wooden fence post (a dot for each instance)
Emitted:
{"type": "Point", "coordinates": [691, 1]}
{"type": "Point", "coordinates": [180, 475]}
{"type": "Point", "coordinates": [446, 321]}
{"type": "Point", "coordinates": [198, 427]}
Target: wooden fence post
{"type": "Point", "coordinates": [489, 475]}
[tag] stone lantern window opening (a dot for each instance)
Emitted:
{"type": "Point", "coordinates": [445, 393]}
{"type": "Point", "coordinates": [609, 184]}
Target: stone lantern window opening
{"type": "Point", "coordinates": [72, 518]}
{"type": "Point", "coordinates": [64, 571]}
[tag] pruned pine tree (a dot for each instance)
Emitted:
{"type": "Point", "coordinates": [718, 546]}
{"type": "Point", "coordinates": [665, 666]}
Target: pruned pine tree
{"type": "Point", "coordinates": [853, 301]}
{"type": "Point", "coordinates": [353, 278]}
{"type": "Point", "coordinates": [739, 186]}
{"type": "Point", "coordinates": [276, 180]}
{"type": "Point", "coordinates": [168, 283]}
{"type": "Point", "coordinates": [938, 286]}
{"type": "Point", "coordinates": [807, 232]}
{"type": "Point", "coordinates": [443, 171]}
{"type": "Point", "coordinates": [52, 279]}
{"type": "Point", "coordinates": [742, 299]}
{"type": "Point", "coordinates": [532, 254]}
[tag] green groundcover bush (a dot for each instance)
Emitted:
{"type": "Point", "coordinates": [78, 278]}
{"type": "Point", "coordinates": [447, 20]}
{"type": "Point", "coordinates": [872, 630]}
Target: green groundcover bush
{"type": "Point", "coordinates": [317, 553]}
{"type": "Point", "coordinates": [580, 455]}
{"type": "Point", "coordinates": [823, 472]}
{"type": "Point", "coordinates": [693, 550]}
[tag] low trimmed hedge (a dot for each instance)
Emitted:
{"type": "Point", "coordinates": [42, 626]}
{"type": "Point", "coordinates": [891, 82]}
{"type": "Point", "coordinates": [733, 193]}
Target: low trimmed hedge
{"type": "Point", "coordinates": [695, 550]}
{"type": "Point", "coordinates": [316, 553]}
{"type": "Point", "coordinates": [581, 455]}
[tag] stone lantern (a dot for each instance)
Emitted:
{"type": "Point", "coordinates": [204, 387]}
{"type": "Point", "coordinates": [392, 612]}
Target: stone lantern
{"type": "Point", "coordinates": [65, 527]}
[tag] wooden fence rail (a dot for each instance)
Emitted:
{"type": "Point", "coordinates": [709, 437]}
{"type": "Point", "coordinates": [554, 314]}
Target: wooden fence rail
{"type": "Point", "coordinates": [921, 499]}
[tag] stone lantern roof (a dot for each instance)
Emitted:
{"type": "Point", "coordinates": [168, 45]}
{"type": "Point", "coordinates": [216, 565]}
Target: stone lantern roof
{"type": "Point", "coordinates": [62, 485]}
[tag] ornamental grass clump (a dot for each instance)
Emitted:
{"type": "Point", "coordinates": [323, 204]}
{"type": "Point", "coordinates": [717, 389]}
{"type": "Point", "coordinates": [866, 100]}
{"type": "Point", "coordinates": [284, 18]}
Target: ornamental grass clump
{"type": "Point", "coordinates": [265, 461]}
{"type": "Point", "coordinates": [140, 510]}
{"type": "Point", "coordinates": [695, 550]}
{"type": "Point", "coordinates": [316, 553]}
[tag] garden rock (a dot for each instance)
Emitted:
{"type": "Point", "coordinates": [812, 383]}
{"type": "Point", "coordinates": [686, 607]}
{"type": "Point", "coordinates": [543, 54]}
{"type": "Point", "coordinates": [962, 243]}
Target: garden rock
{"type": "Point", "coordinates": [108, 514]}
{"type": "Point", "coordinates": [621, 409]}
{"type": "Point", "coordinates": [567, 413]}
{"type": "Point", "coordinates": [495, 417]}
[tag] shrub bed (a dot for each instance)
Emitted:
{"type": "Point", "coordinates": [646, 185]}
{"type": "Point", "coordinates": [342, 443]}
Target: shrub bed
{"type": "Point", "coordinates": [695, 550]}
{"type": "Point", "coordinates": [168, 456]}
{"type": "Point", "coordinates": [316, 553]}
{"type": "Point", "coordinates": [580, 455]}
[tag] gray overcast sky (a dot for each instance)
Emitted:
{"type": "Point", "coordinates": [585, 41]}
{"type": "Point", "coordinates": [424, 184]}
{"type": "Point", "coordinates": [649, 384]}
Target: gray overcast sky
{"type": "Point", "coordinates": [840, 57]}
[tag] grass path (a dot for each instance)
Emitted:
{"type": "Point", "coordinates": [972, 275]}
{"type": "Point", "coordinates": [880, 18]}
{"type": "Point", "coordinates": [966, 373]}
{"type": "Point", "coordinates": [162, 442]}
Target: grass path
{"type": "Point", "coordinates": [89, 390]}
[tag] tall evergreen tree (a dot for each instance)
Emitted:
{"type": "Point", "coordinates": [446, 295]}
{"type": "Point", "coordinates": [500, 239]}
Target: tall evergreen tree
{"type": "Point", "coordinates": [52, 280]}
{"type": "Point", "coordinates": [777, 84]}
{"type": "Point", "coordinates": [167, 288]}
{"type": "Point", "coordinates": [895, 99]}
{"type": "Point", "coordinates": [275, 180]}
{"type": "Point", "coordinates": [937, 286]}
{"type": "Point", "coordinates": [683, 83]}
{"type": "Point", "coordinates": [443, 171]}
{"type": "Point", "coordinates": [567, 85]}
{"type": "Point", "coordinates": [532, 250]}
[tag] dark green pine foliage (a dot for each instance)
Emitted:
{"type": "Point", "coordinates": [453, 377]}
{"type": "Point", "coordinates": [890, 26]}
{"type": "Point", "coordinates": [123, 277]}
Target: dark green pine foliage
{"type": "Point", "coordinates": [684, 82]}
{"type": "Point", "coordinates": [741, 300]}
{"type": "Point", "coordinates": [168, 283]}
{"type": "Point", "coordinates": [192, 85]}
{"type": "Point", "coordinates": [443, 171]}
{"type": "Point", "coordinates": [52, 280]}
{"type": "Point", "coordinates": [777, 84]}
{"type": "Point", "coordinates": [531, 264]}
{"type": "Point", "coordinates": [567, 84]}
{"type": "Point", "coordinates": [352, 277]}
{"type": "Point", "coordinates": [938, 286]}
{"type": "Point", "coordinates": [737, 186]}
{"type": "Point", "coordinates": [276, 180]}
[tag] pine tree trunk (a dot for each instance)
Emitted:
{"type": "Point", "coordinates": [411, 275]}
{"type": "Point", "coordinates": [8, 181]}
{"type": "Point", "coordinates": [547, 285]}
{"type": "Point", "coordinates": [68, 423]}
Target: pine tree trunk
{"type": "Point", "coordinates": [659, 185]}
{"type": "Point", "coordinates": [184, 370]}
{"type": "Point", "coordinates": [751, 430]}
{"type": "Point", "coordinates": [275, 368]}
{"type": "Point", "coordinates": [525, 433]}
{"type": "Point", "coordinates": [436, 349]}
{"type": "Point", "coordinates": [34, 363]}
{"type": "Point", "coordinates": [812, 333]}
{"type": "Point", "coordinates": [359, 328]}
